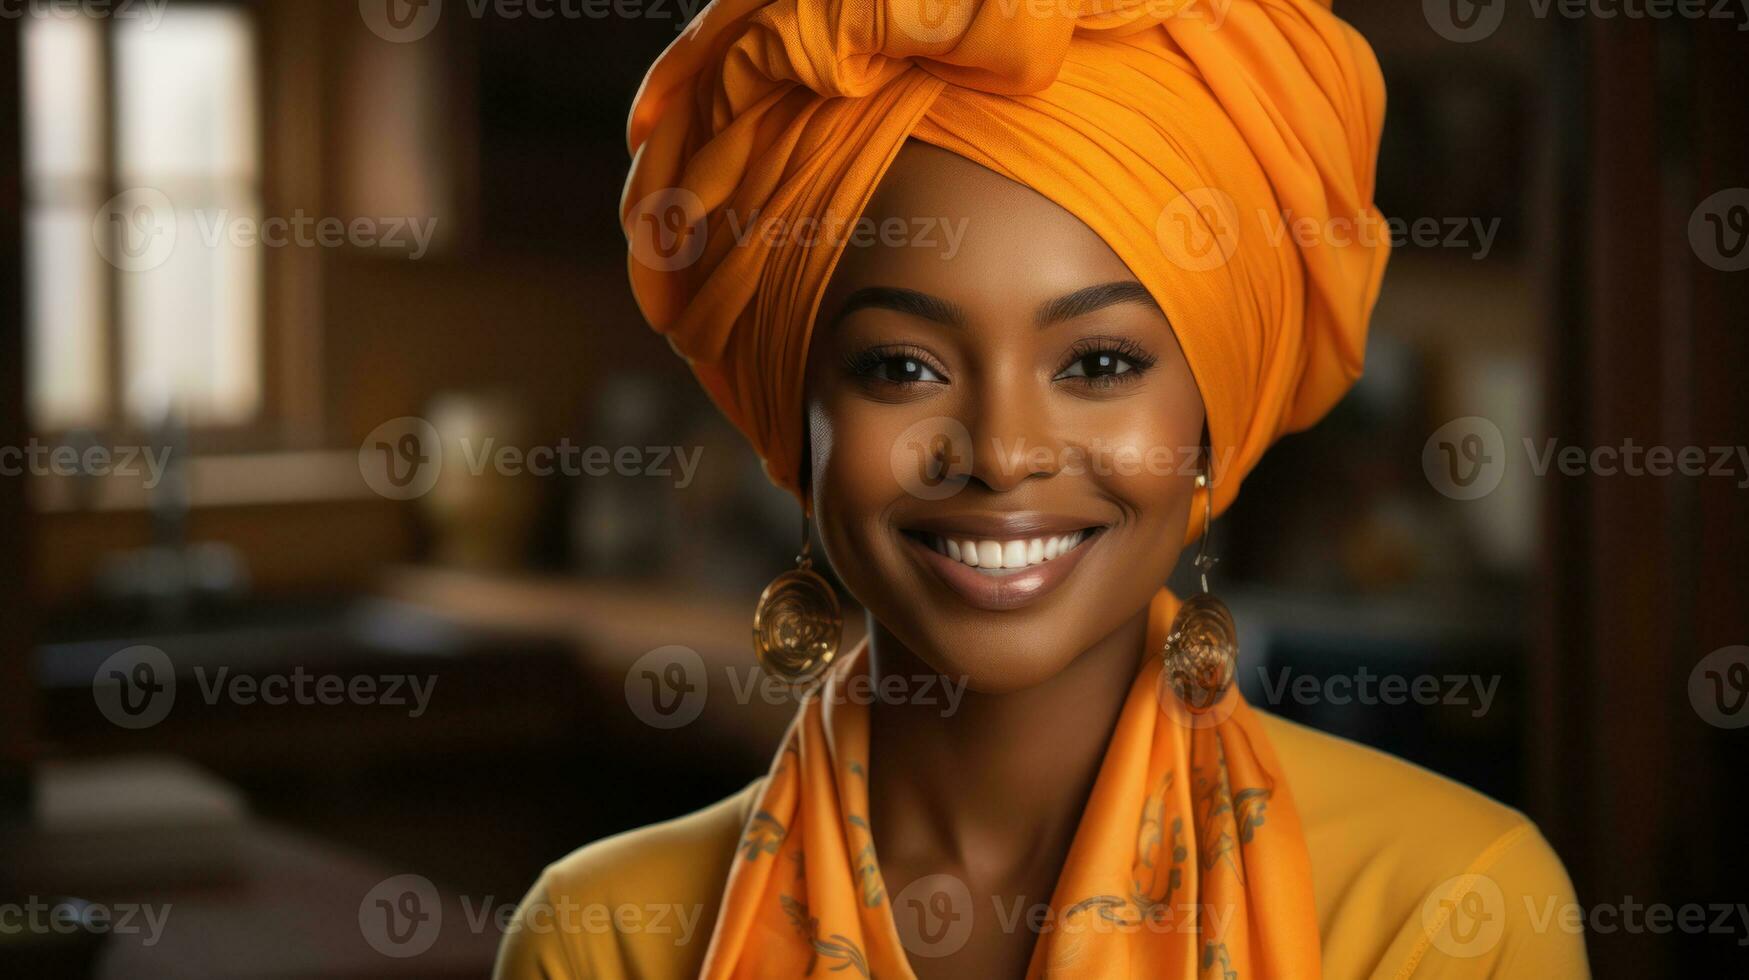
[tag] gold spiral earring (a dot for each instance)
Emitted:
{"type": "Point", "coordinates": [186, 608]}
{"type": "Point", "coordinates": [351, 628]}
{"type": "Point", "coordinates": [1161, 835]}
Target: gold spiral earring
{"type": "Point", "coordinates": [1202, 648]}
{"type": "Point", "coordinates": [798, 622]}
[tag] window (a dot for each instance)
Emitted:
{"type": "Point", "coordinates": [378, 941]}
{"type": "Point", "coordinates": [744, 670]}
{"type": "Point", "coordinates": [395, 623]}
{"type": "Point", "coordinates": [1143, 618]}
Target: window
{"type": "Point", "coordinates": [142, 152]}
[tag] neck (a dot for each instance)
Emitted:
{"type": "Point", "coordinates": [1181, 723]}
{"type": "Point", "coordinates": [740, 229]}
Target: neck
{"type": "Point", "coordinates": [995, 788]}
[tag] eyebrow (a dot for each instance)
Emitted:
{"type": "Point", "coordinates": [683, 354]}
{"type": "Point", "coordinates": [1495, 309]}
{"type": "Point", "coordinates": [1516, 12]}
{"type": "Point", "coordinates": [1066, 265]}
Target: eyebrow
{"type": "Point", "coordinates": [1092, 299]}
{"type": "Point", "coordinates": [924, 306]}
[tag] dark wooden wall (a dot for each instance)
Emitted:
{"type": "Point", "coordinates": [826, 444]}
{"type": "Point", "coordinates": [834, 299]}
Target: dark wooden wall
{"type": "Point", "coordinates": [16, 727]}
{"type": "Point", "coordinates": [1642, 577]}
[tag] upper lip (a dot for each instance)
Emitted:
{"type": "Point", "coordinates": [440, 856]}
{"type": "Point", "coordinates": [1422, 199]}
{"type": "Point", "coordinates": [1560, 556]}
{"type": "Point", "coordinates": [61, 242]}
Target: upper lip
{"type": "Point", "coordinates": [997, 524]}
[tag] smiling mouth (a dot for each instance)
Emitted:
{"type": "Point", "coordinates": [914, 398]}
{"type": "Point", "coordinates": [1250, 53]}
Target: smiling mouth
{"type": "Point", "coordinates": [1002, 556]}
{"type": "Point", "coordinates": [1000, 573]}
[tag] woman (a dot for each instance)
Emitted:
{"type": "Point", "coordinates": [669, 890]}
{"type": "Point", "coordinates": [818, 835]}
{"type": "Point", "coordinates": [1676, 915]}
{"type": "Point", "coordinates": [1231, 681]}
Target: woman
{"type": "Point", "coordinates": [1003, 291]}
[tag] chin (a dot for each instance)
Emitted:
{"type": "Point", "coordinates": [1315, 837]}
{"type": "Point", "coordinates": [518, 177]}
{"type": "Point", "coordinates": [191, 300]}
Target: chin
{"type": "Point", "coordinates": [998, 658]}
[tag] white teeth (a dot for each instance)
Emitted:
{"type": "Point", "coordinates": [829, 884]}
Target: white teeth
{"type": "Point", "coordinates": [990, 554]}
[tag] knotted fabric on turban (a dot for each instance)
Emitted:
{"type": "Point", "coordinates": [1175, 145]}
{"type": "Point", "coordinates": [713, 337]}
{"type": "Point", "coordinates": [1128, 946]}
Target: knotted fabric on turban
{"type": "Point", "coordinates": [1224, 149]}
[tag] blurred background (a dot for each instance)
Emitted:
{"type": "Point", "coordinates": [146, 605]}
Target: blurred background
{"type": "Point", "coordinates": [355, 530]}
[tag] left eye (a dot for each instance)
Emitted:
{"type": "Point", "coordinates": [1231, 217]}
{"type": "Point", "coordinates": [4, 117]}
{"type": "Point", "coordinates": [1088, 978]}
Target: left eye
{"type": "Point", "coordinates": [1099, 364]}
{"type": "Point", "coordinates": [904, 370]}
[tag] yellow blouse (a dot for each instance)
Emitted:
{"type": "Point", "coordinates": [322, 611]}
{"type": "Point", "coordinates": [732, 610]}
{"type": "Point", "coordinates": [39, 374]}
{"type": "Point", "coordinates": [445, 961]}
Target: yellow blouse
{"type": "Point", "coordinates": [1415, 876]}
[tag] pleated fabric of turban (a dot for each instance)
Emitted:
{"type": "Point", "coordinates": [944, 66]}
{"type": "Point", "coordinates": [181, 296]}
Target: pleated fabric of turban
{"type": "Point", "coordinates": [1224, 149]}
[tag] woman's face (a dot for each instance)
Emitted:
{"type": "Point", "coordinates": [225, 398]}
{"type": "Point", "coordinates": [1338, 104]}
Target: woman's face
{"type": "Point", "coordinates": [1004, 433]}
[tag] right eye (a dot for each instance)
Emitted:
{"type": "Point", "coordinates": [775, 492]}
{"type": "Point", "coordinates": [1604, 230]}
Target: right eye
{"type": "Point", "coordinates": [896, 367]}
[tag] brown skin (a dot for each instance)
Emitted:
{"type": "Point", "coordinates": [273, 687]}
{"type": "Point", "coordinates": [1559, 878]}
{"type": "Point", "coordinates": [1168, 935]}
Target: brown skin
{"type": "Point", "coordinates": [993, 793]}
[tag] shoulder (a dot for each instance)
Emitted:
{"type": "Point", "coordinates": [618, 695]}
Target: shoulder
{"type": "Point", "coordinates": [1419, 876]}
{"type": "Point", "coordinates": [641, 903]}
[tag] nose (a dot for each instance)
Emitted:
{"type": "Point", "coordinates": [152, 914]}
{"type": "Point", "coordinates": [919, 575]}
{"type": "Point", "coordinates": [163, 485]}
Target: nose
{"type": "Point", "coordinates": [1013, 436]}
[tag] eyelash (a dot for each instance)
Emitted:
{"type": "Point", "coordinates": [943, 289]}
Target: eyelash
{"type": "Point", "coordinates": [1123, 348]}
{"type": "Point", "coordinates": [866, 364]}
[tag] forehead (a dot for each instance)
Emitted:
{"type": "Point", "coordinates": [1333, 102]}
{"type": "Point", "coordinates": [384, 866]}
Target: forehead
{"type": "Point", "coordinates": [969, 235]}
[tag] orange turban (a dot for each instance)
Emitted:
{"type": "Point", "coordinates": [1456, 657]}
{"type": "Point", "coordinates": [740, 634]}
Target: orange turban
{"type": "Point", "coordinates": [1224, 149]}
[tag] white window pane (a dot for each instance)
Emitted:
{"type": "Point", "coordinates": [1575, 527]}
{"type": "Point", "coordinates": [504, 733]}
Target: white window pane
{"type": "Point", "coordinates": [185, 95]}
{"type": "Point", "coordinates": [63, 99]}
{"type": "Point", "coordinates": [65, 297]}
{"type": "Point", "coordinates": [191, 326]}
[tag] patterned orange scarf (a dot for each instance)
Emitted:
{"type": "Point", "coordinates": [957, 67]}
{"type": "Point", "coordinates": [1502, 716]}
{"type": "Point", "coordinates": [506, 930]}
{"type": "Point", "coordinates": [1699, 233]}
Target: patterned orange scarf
{"type": "Point", "coordinates": [1189, 860]}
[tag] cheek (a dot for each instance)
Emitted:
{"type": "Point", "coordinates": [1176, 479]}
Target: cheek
{"type": "Point", "coordinates": [1146, 455]}
{"type": "Point", "coordinates": [853, 484]}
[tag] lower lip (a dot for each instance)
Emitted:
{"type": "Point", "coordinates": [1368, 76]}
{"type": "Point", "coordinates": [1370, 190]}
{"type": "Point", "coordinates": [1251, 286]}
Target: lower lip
{"type": "Point", "coordinates": [1011, 590]}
